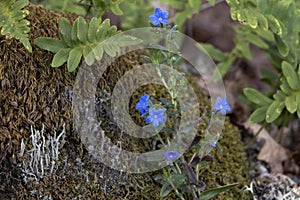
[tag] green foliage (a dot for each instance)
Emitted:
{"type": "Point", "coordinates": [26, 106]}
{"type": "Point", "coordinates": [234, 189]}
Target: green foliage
{"type": "Point", "coordinates": [266, 23]}
{"type": "Point", "coordinates": [185, 9]}
{"type": "Point", "coordinates": [80, 39]}
{"type": "Point", "coordinates": [67, 6]}
{"type": "Point", "coordinates": [245, 36]}
{"type": "Point", "coordinates": [85, 7]}
{"type": "Point", "coordinates": [274, 27]}
{"type": "Point", "coordinates": [136, 15]}
{"type": "Point", "coordinates": [211, 193]}
{"type": "Point", "coordinates": [279, 17]}
{"type": "Point", "coordinates": [13, 22]}
{"type": "Point", "coordinates": [102, 6]}
{"type": "Point", "coordinates": [287, 96]}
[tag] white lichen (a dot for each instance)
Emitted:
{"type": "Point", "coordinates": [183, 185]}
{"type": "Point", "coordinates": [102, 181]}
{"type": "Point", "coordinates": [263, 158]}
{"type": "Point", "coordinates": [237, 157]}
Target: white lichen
{"type": "Point", "coordinates": [40, 160]}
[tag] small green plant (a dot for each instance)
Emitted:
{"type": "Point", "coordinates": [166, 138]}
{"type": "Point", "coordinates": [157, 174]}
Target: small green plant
{"type": "Point", "coordinates": [12, 21]}
{"type": "Point", "coordinates": [80, 39]}
{"type": "Point", "coordinates": [287, 97]}
{"type": "Point", "coordinates": [272, 26]}
{"type": "Point", "coordinates": [182, 176]}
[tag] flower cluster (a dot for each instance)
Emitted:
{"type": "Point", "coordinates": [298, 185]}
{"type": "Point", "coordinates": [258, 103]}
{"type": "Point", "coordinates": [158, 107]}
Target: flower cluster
{"type": "Point", "coordinates": [156, 116]}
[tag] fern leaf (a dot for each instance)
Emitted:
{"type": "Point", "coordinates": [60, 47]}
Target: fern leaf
{"type": "Point", "coordinates": [12, 21]}
{"type": "Point", "coordinates": [89, 41]}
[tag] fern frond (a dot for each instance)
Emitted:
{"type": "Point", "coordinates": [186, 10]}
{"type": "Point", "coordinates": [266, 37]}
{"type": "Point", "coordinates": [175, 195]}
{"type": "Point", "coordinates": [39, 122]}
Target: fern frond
{"type": "Point", "coordinates": [12, 22]}
{"type": "Point", "coordinates": [89, 41]}
{"type": "Point", "coordinates": [279, 17]}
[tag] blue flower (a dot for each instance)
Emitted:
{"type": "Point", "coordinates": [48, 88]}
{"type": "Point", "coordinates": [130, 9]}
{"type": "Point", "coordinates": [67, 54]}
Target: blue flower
{"type": "Point", "coordinates": [159, 17]}
{"type": "Point", "coordinates": [143, 105]}
{"type": "Point", "coordinates": [213, 144]}
{"type": "Point", "coordinates": [171, 155]}
{"type": "Point", "coordinates": [156, 116]}
{"type": "Point", "coordinates": [222, 105]}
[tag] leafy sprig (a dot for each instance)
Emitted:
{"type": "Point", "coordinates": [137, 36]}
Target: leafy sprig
{"type": "Point", "coordinates": [79, 40]}
{"type": "Point", "coordinates": [12, 21]}
{"type": "Point", "coordinates": [287, 96]}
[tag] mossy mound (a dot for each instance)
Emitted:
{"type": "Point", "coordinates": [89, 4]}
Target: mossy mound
{"type": "Point", "coordinates": [32, 93]}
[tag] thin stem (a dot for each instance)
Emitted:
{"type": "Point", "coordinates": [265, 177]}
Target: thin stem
{"type": "Point", "coordinates": [256, 134]}
{"type": "Point", "coordinates": [282, 127]}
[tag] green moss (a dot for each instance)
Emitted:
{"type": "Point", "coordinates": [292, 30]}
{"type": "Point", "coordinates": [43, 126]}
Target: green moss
{"type": "Point", "coordinates": [35, 93]}
{"type": "Point", "coordinates": [229, 166]}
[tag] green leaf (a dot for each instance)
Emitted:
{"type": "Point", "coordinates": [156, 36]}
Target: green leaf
{"type": "Point", "coordinates": [223, 67]}
{"type": "Point", "coordinates": [181, 17]}
{"type": "Point", "coordinates": [146, 58]}
{"type": "Point", "coordinates": [102, 30]}
{"type": "Point", "coordinates": [126, 40]}
{"type": "Point", "coordinates": [215, 53]}
{"type": "Point", "coordinates": [211, 193]}
{"type": "Point", "coordinates": [211, 2]}
{"type": "Point", "coordinates": [282, 46]}
{"type": "Point", "coordinates": [179, 5]}
{"type": "Point", "coordinates": [74, 59]}
{"type": "Point", "coordinates": [110, 48]}
{"type": "Point", "coordinates": [279, 96]}
{"type": "Point", "coordinates": [152, 156]}
{"type": "Point", "coordinates": [74, 31]}
{"type": "Point", "coordinates": [251, 19]}
{"type": "Point", "coordinates": [256, 40]}
{"type": "Point", "coordinates": [262, 21]}
{"type": "Point", "coordinates": [257, 97]}
{"type": "Point", "coordinates": [195, 5]}
{"type": "Point", "coordinates": [178, 179]}
{"type": "Point", "coordinates": [290, 75]}
{"type": "Point", "coordinates": [50, 44]}
{"type": "Point", "coordinates": [13, 23]}
{"type": "Point", "coordinates": [98, 52]}
{"type": "Point", "coordinates": [245, 50]}
{"type": "Point", "coordinates": [93, 26]}
{"type": "Point", "coordinates": [274, 111]}
{"type": "Point", "coordinates": [284, 86]}
{"type": "Point", "coordinates": [115, 8]}
{"type": "Point", "coordinates": [258, 115]}
{"type": "Point", "coordinates": [274, 25]}
{"type": "Point", "coordinates": [82, 30]}
{"type": "Point", "coordinates": [291, 103]}
{"type": "Point", "coordinates": [265, 34]}
{"type": "Point", "coordinates": [165, 189]}
{"type": "Point", "coordinates": [65, 31]}
{"type": "Point", "coordinates": [60, 57]}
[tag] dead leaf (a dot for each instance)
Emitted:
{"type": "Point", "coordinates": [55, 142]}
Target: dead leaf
{"type": "Point", "coordinates": [272, 152]}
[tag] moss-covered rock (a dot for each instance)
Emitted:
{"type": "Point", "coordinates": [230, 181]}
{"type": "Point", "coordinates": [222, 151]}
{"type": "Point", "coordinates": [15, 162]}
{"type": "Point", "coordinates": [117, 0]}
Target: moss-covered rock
{"type": "Point", "coordinates": [32, 93]}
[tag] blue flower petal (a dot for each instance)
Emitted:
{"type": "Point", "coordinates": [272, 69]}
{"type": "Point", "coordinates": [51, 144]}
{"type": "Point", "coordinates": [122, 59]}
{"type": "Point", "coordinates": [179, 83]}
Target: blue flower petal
{"type": "Point", "coordinates": [222, 105]}
{"type": "Point", "coordinates": [143, 104]}
{"type": "Point", "coordinates": [171, 155]}
{"type": "Point", "coordinates": [159, 17]}
{"type": "Point", "coordinates": [156, 116]}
